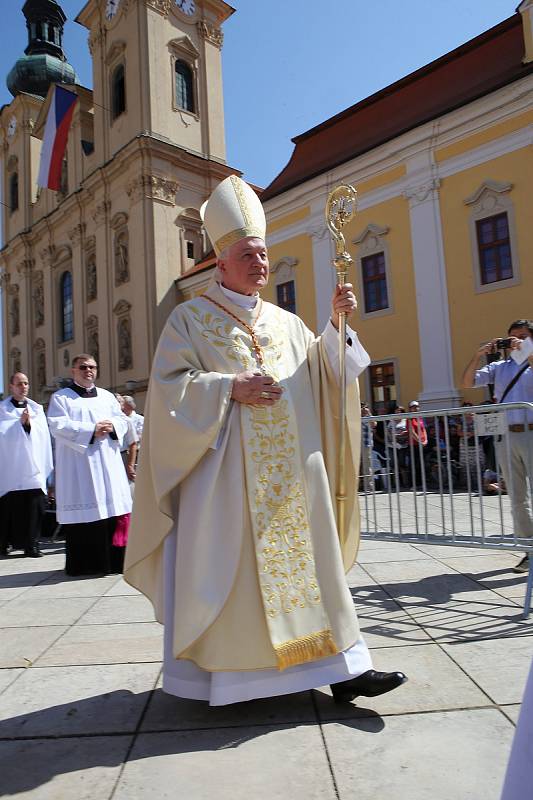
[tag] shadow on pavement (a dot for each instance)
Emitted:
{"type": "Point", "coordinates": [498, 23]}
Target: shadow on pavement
{"type": "Point", "coordinates": [36, 747]}
{"type": "Point", "coordinates": [440, 605]}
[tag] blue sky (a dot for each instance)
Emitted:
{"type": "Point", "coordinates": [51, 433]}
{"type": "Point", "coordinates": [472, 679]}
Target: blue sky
{"type": "Point", "coordinates": [290, 64]}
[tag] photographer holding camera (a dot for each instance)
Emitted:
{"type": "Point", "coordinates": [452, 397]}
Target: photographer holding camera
{"type": "Point", "coordinates": [513, 383]}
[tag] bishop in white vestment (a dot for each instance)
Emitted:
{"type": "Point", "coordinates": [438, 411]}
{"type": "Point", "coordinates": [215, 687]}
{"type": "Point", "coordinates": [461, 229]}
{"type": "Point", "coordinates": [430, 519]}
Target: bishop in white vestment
{"type": "Point", "coordinates": [233, 533]}
{"type": "Point", "coordinates": [91, 485]}
{"type": "Point", "coordinates": [26, 463]}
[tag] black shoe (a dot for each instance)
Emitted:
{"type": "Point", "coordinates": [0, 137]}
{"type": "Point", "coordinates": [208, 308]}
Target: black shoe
{"type": "Point", "coordinates": [32, 552]}
{"type": "Point", "coordinates": [369, 684]}
{"type": "Point", "coordinates": [523, 564]}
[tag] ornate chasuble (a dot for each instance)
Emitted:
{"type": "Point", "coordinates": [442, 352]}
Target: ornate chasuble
{"type": "Point", "coordinates": [297, 621]}
{"type": "Point", "coordinates": [286, 489]}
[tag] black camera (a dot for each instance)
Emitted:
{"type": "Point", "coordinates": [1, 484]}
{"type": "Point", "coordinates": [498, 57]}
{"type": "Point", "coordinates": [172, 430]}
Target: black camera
{"type": "Point", "coordinates": [503, 344]}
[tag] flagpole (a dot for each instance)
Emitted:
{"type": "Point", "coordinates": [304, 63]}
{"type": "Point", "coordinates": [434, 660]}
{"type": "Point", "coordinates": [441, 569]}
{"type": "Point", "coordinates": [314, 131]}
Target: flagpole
{"type": "Point", "coordinates": [340, 209]}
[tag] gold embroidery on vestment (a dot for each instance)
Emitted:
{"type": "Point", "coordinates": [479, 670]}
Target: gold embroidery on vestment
{"type": "Point", "coordinates": [235, 236]}
{"type": "Point", "coordinates": [285, 557]}
{"type": "Point", "coordinates": [237, 344]}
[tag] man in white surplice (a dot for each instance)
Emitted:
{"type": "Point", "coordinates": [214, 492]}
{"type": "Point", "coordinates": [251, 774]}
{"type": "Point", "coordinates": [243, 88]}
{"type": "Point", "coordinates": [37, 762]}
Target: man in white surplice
{"type": "Point", "coordinates": [25, 464]}
{"type": "Point", "coordinates": [233, 533]}
{"type": "Point", "coordinates": [91, 486]}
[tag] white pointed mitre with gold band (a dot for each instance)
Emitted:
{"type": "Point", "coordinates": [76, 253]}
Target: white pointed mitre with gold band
{"type": "Point", "coordinates": [233, 212]}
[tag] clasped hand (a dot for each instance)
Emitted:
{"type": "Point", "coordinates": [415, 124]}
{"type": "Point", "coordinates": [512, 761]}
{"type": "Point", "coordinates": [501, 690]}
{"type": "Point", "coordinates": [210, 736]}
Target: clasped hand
{"type": "Point", "coordinates": [255, 389]}
{"type": "Point", "coordinates": [102, 428]}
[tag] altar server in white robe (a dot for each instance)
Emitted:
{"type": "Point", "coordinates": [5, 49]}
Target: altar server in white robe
{"type": "Point", "coordinates": [91, 485]}
{"type": "Point", "coordinates": [26, 463]}
{"type": "Point", "coordinates": [233, 534]}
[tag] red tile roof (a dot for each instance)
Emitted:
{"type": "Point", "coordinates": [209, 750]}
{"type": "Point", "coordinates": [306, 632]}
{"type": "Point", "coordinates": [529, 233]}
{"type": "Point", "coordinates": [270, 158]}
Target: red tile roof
{"type": "Point", "coordinates": [206, 263]}
{"type": "Point", "coordinates": [473, 70]}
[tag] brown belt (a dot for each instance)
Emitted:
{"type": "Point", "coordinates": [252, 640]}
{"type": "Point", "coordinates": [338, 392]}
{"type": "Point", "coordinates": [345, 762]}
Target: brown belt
{"type": "Point", "coordinates": [520, 428]}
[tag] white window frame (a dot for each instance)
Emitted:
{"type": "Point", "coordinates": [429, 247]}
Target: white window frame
{"type": "Point", "coordinates": [370, 242]}
{"type": "Point", "coordinates": [489, 199]}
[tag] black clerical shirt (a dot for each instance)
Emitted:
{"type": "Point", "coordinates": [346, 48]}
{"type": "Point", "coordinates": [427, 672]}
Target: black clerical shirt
{"type": "Point", "coordinates": [22, 404]}
{"type": "Point", "coordinates": [82, 391]}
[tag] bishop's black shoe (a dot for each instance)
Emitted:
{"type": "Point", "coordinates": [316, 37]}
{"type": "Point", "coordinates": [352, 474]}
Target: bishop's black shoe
{"type": "Point", "coordinates": [370, 684]}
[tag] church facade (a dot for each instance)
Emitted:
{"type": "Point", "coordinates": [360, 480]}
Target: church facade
{"type": "Point", "coordinates": [92, 267]}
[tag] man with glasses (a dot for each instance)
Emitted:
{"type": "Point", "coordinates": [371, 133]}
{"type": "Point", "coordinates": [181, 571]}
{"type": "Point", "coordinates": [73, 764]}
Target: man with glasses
{"type": "Point", "coordinates": [512, 379]}
{"type": "Point", "coordinates": [91, 484]}
{"type": "Point", "coordinates": [26, 462]}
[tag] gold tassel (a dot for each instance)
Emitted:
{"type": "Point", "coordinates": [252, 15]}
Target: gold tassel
{"type": "Point", "coordinates": [306, 648]}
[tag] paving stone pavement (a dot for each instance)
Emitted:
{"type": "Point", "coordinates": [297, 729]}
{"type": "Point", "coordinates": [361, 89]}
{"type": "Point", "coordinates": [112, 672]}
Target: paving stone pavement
{"type": "Point", "coordinates": [83, 715]}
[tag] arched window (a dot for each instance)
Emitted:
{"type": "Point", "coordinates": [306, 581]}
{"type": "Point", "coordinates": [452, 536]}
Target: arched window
{"type": "Point", "coordinates": [493, 236]}
{"type": "Point", "coordinates": [184, 86]}
{"type": "Point", "coordinates": [118, 91]}
{"type": "Point", "coordinates": [66, 305]}
{"type": "Point", "coordinates": [14, 192]}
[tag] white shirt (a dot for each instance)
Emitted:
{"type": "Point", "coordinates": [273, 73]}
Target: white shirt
{"type": "Point", "coordinates": [501, 373]}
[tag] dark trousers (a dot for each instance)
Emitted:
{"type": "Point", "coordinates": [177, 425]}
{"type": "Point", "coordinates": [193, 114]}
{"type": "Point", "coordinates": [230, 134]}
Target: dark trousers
{"type": "Point", "coordinates": [89, 548]}
{"type": "Point", "coordinates": [21, 518]}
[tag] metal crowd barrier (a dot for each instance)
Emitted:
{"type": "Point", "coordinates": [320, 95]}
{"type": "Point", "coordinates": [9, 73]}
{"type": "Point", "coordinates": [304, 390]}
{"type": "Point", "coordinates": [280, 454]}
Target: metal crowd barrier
{"type": "Point", "coordinates": [437, 494]}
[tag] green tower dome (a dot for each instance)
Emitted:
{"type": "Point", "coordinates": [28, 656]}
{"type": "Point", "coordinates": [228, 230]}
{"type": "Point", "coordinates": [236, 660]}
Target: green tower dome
{"type": "Point", "coordinates": [44, 61]}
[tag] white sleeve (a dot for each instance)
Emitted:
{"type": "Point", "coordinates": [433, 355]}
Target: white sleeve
{"type": "Point", "coordinates": [357, 359]}
{"type": "Point", "coordinates": [121, 424]}
{"type": "Point", "coordinates": [74, 433]}
{"type": "Point", "coordinates": [131, 434]}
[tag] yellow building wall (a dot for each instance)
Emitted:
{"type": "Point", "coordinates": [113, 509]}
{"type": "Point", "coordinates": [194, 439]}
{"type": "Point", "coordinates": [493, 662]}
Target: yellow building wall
{"type": "Point", "coordinates": [490, 134]}
{"type": "Point", "coordinates": [300, 247]}
{"type": "Point", "coordinates": [393, 336]}
{"type": "Point", "coordinates": [289, 219]}
{"type": "Point", "coordinates": [476, 317]}
{"type": "Point", "coordinates": [383, 179]}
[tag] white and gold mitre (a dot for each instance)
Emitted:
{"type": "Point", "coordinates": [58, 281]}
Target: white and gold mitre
{"type": "Point", "coordinates": [233, 212]}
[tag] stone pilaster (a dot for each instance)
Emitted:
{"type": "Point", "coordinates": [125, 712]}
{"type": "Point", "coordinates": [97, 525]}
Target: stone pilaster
{"type": "Point", "coordinates": [438, 385]}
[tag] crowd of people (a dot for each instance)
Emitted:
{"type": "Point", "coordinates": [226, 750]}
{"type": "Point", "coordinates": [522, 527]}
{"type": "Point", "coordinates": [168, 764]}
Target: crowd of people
{"type": "Point", "coordinates": [417, 450]}
{"type": "Point", "coordinates": [447, 452]}
{"type": "Point", "coordinates": [79, 460]}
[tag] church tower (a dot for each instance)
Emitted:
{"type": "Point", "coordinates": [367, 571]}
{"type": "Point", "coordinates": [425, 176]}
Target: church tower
{"type": "Point", "coordinates": [157, 70]}
{"type": "Point", "coordinates": [43, 63]}
{"type": "Point", "coordinates": [92, 268]}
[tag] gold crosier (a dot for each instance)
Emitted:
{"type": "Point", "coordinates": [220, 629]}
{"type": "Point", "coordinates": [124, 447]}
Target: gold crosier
{"type": "Point", "coordinates": [340, 209]}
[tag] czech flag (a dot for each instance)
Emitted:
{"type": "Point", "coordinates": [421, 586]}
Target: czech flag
{"type": "Point", "coordinates": [55, 137]}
